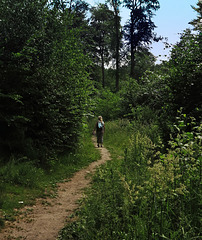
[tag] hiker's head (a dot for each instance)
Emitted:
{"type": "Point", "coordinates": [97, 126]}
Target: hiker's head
{"type": "Point", "coordinates": [100, 118]}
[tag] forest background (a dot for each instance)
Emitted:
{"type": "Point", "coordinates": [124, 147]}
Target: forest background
{"type": "Point", "coordinates": [64, 62]}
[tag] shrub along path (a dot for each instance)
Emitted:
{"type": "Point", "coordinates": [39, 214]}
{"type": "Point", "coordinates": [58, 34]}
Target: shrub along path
{"type": "Point", "coordinates": [48, 216]}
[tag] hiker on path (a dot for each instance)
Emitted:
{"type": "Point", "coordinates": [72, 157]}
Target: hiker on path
{"type": "Point", "coordinates": [100, 129]}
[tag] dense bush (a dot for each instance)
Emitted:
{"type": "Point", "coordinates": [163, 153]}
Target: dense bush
{"type": "Point", "coordinates": [107, 104]}
{"type": "Point", "coordinates": [44, 87]}
{"type": "Point", "coordinates": [185, 73]}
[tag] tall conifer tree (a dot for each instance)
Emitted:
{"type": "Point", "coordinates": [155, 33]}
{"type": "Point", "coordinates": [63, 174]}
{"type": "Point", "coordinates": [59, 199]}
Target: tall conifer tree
{"type": "Point", "coordinates": [139, 28]}
{"type": "Point", "coordinates": [101, 32]}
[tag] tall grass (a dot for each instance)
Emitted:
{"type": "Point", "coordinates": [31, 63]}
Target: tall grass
{"type": "Point", "coordinates": [117, 135]}
{"type": "Point", "coordinates": [147, 194]}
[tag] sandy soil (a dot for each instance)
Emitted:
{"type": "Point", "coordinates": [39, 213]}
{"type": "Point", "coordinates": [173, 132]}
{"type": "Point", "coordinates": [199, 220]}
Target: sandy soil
{"type": "Point", "coordinates": [44, 220]}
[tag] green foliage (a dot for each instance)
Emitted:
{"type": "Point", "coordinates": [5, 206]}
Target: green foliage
{"type": "Point", "coordinates": [140, 102]}
{"type": "Point", "coordinates": [21, 173]}
{"type": "Point", "coordinates": [45, 89]}
{"type": "Point", "coordinates": [144, 61]}
{"type": "Point", "coordinates": [117, 135]}
{"type": "Point", "coordinates": [185, 75]}
{"type": "Point", "coordinates": [148, 194]}
{"type": "Point", "coordinates": [175, 182]}
{"type": "Point", "coordinates": [150, 91]}
{"type": "Point", "coordinates": [20, 22]}
{"type": "Point", "coordinates": [128, 95]}
{"type": "Point", "coordinates": [181, 82]}
{"type": "Point", "coordinates": [107, 104]}
{"type": "Point", "coordinates": [101, 32]}
{"type": "Point", "coordinates": [168, 87]}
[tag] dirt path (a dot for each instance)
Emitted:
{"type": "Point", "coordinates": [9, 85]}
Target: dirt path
{"type": "Point", "coordinates": [44, 221]}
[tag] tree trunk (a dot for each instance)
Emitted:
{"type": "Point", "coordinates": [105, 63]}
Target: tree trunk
{"type": "Point", "coordinates": [132, 51]}
{"type": "Point", "coordinates": [132, 69]}
{"type": "Point", "coordinates": [103, 68]}
{"type": "Point", "coordinates": [117, 50]}
{"type": "Point", "coordinates": [115, 4]}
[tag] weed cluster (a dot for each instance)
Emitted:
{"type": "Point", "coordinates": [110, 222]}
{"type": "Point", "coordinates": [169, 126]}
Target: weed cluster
{"type": "Point", "coordinates": [22, 173]}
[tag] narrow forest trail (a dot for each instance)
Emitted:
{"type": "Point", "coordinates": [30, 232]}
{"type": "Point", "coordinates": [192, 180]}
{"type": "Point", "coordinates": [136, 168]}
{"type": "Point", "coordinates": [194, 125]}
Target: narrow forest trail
{"type": "Point", "coordinates": [48, 216]}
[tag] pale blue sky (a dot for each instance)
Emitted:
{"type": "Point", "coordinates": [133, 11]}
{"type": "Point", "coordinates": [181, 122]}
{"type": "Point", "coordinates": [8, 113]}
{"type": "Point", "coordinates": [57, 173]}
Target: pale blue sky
{"type": "Point", "coordinates": [171, 19]}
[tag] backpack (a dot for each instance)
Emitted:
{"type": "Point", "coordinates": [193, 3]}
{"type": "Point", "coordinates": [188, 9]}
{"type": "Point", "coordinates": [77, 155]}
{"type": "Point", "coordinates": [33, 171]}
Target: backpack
{"type": "Point", "coordinates": [100, 126]}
